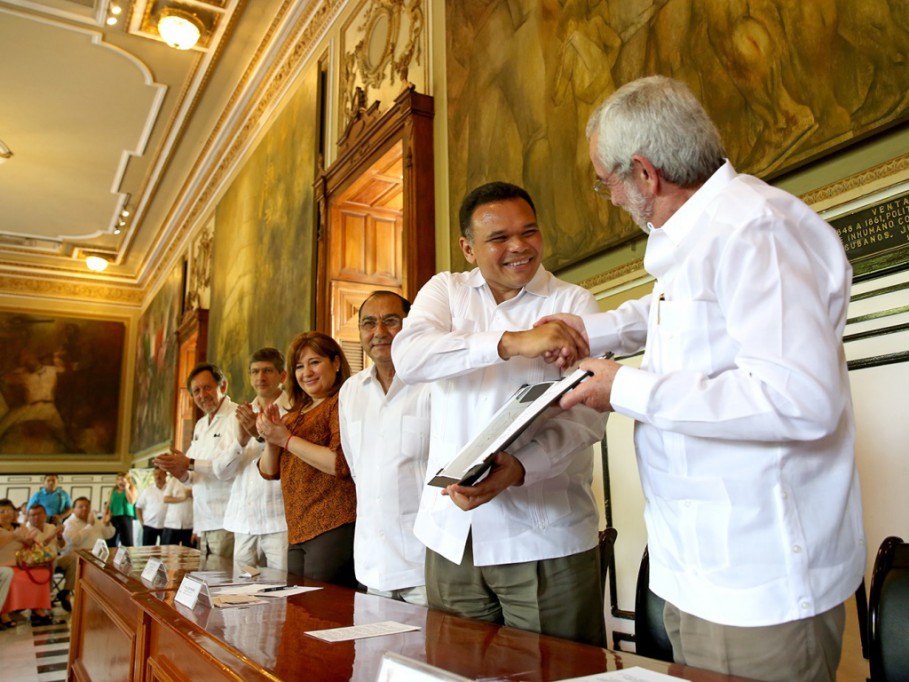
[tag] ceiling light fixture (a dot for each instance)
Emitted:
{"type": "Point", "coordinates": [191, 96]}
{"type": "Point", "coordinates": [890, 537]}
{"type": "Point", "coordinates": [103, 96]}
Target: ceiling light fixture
{"type": "Point", "coordinates": [96, 263]}
{"type": "Point", "coordinates": [179, 29]}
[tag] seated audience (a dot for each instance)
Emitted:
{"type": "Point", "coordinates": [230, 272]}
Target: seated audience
{"type": "Point", "coordinates": [304, 452]}
{"type": "Point", "coordinates": [82, 529]}
{"type": "Point", "coordinates": [151, 509]}
{"type": "Point", "coordinates": [24, 591]}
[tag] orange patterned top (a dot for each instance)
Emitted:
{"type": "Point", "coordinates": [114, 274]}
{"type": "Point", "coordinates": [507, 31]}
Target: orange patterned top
{"type": "Point", "coordinates": [316, 502]}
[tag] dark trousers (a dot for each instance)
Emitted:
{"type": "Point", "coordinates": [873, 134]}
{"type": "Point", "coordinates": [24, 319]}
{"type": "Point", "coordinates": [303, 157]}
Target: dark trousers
{"type": "Point", "coordinates": [124, 534]}
{"type": "Point", "coordinates": [150, 536]}
{"type": "Point", "coordinates": [177, 536]}
{"type": "Point", "coordinates": [327, 557]}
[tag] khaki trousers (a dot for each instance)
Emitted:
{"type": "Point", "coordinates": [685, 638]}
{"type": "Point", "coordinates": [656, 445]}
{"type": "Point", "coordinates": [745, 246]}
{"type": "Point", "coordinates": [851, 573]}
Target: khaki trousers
{"type": "Point", "coordinates": [561, 597]}
{"type": "Point", "coordinates": [806, 650]}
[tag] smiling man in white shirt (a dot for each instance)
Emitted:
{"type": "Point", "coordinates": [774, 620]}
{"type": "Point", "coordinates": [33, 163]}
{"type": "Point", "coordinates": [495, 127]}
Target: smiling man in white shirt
{"type": "Point", "coordinates": [385, 438]}
{"type": "Point", "coordinates": [520, 546]}
{"type": "Point", "coordinates": [207, 385]}
{"type": "Point", "coordinates": [745, 432]}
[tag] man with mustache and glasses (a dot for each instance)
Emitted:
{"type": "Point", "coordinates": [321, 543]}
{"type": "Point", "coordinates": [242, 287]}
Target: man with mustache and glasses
{"type": "Point", "coordinates": [520, 546]}
{"type": "Point", "coordinates": [385, 438]}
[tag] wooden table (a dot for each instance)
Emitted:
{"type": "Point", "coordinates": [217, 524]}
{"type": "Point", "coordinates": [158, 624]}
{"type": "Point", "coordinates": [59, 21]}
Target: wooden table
{"type": "Point", "coordinates": [123, 628]}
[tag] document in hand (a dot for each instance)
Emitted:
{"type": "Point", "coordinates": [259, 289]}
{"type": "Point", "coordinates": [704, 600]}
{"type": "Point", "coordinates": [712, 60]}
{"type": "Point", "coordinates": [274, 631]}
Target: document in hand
{"type": "Point", "coordinates": [528, 403]}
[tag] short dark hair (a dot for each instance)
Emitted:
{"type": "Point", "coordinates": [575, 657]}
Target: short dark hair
{"type": "Point", "coordinates": [79, 499]}
{"type": "Point", "coordinates": [6, 502]}
{"type": "Point", "coordinates": [215, 371]}
{"type": "Point", "coordinates": [405, 304]}
{"type": "Point", "coordinates": [38, 506]}
{"type": "Point", "coordinates": [487, 194]}
{"type": "Point", "coordinates": [269, 354]}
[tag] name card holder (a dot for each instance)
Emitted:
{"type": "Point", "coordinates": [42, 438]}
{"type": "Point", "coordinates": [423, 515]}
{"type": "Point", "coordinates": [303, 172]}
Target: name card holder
{"type": "Point", "coordinates": [101, 550]}
{"type": "Point", "coordinates": [188, 594]}
{"type": "Point", "coordinates": [154, 572]}
{"type": "Point", "coordinates": [122, 560]}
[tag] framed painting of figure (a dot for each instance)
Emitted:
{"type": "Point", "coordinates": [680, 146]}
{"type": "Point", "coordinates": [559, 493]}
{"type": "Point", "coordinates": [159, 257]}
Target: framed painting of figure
{"type": "Point", "coordinates": [61, 380]}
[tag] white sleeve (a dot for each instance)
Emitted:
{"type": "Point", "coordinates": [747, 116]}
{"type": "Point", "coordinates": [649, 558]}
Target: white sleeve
{"type": "Point", "coordinates": [787, 379]}
{"type": "Point", "coordinates": [431, 346]}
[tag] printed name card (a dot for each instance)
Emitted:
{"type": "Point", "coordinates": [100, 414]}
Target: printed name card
{"type": "Point", "coordinates": [101, 550]}
{"type": "Point", "coordinates": [154, 571]}
{"type": "Point", "coordinates": [188, 594]}
{"type": "Point", "coordinates": [122, 559]}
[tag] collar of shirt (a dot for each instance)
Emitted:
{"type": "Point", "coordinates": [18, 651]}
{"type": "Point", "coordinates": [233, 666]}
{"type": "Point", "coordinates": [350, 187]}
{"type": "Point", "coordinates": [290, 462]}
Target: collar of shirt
{"type": "Point", "coordinates": [282, 401]}
{"type": "Point", "coordinates": [661, 242]}
{"type": "Point", "coordinates": [539, 285]}
{"type": "Point", "coordinates": [371, 378]}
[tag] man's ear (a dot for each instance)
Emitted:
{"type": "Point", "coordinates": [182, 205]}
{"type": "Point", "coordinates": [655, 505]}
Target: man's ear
{"type": "Point", "coordinates": [646, 173]}
{"type": "Point", "coordinates": [467, 249]}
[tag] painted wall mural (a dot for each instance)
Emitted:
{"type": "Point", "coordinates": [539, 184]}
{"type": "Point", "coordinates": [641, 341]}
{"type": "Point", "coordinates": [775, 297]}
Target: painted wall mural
{"type": "Point", "coordinates": [59, 384]}
{"type": "Point", "coordinates": [263, 271]}
{"type": "Point", "coordinates": [156, 365]}
{"type": "Point", "coordinates": [786, 83]}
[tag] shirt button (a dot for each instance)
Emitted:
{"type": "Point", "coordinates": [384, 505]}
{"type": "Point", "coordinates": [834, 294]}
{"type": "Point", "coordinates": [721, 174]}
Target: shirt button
{"type": "Point", "coordinates": [784, 495]}
{"type": "Point", "coordinates": [796, 548]}
{"type": "Point", "coordinates": [805, 605]}
{"type": "Point", "coordinates": [687, 503]}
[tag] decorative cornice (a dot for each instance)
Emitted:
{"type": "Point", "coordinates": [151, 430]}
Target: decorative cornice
{"type": "Point", "coordinates": [857, 181]}
{"type": "Point", "coordinates": [635, 267]}
{"type": "Point", "coordinates": [48, 288]}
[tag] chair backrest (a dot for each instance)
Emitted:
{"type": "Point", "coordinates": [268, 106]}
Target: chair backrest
{"type": "Point", "coordinates": [888, 610]}
{"type": "Point", "coordinates": [650, 635]}
{"type": "Point", "coordinates": [607, 551]}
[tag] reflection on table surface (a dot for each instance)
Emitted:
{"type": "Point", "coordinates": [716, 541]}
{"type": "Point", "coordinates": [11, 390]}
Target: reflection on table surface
{"type": "Point", "coordinates": [272, 637]}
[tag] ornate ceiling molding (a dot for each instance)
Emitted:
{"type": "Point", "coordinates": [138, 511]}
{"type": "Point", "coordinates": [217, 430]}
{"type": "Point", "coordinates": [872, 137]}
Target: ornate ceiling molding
{"type": "Point", "coordinates": [209, 176]}
{"type": "Point", "coordinates": [68, 290]}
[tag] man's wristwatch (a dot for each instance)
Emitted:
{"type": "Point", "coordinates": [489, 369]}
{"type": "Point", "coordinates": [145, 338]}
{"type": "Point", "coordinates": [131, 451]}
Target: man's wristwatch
{"type": "Point", "coordinates": [192, 464]}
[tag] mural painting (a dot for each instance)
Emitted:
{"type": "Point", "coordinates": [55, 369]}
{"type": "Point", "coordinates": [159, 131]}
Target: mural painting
{"type": "Point", "coordinates": [156, 363]}
{"type": "Point", "coordinates": [263, 268]}
{"type": "Point", "coordinates": [59, 384]}
{"type": "Point", "coordinates": [785, 82]}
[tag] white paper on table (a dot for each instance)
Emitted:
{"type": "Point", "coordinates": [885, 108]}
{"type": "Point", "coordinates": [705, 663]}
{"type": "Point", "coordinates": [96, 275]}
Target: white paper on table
{"type": "Point", "coordinates": [227, 600]}
{"type": "Point", "coordinates": [388, 627]}
{"type": "Point", "coordinates": [288, 591]}
{"type": "Point", "coordinates": [630, 675]}
{"type": "Point", "coordinates": [242, 589]}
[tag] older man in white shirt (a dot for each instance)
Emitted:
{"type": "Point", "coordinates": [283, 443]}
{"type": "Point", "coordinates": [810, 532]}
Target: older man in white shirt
{"type": "Point", "coordinates": [255, 510]}
{"type": "Point", "coordinates": [744, 426]}
{"type": "Point", "coordinates": [520, 546]}
{"type": "Point", "coordinates": [385, 438]}
{"type": "Point", "coordinates": [213, 432]}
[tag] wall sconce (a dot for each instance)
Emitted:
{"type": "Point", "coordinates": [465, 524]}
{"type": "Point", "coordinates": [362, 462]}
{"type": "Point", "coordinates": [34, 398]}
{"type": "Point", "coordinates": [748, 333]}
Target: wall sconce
{"type": "Point", "coordinates": [179, 29]}
{"type": "Point", "coordinates": [96, 263]}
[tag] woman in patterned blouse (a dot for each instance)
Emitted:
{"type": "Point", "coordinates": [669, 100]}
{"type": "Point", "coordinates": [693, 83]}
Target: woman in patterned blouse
{"type": "Point", "coordinates": [304, 452]}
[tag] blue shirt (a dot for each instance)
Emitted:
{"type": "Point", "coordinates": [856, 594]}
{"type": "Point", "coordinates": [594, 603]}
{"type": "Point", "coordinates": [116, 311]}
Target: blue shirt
{"type": "Point", "coordinates": [55, 503]}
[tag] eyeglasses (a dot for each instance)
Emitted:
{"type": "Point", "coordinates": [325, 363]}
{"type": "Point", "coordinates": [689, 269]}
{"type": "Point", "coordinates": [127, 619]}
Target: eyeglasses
{"type": "Point", "coordinates": [368, 324]}
{"type": "Point", "coordinates": [604, 187]}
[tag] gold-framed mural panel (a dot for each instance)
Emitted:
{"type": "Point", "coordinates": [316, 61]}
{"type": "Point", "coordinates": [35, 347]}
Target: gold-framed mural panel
{"type": "Point", "coordinates": [62, 390]}
{"type": "Point", "coordinates": [785, 82]}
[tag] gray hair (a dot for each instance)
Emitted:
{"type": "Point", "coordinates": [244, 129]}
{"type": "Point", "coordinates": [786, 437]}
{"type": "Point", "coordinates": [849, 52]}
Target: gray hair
{"type": "Point", "coordinates": [660, 119]}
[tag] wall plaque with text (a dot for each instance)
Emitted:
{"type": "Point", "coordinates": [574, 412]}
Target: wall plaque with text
{"type": "Point", "coordinates": [876, 237]}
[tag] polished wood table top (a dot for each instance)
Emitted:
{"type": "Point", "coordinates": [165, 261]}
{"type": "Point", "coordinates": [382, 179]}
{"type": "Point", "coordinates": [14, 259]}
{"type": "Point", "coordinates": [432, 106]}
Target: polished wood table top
{"type": "Point", "coordinates": [273, 637]}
